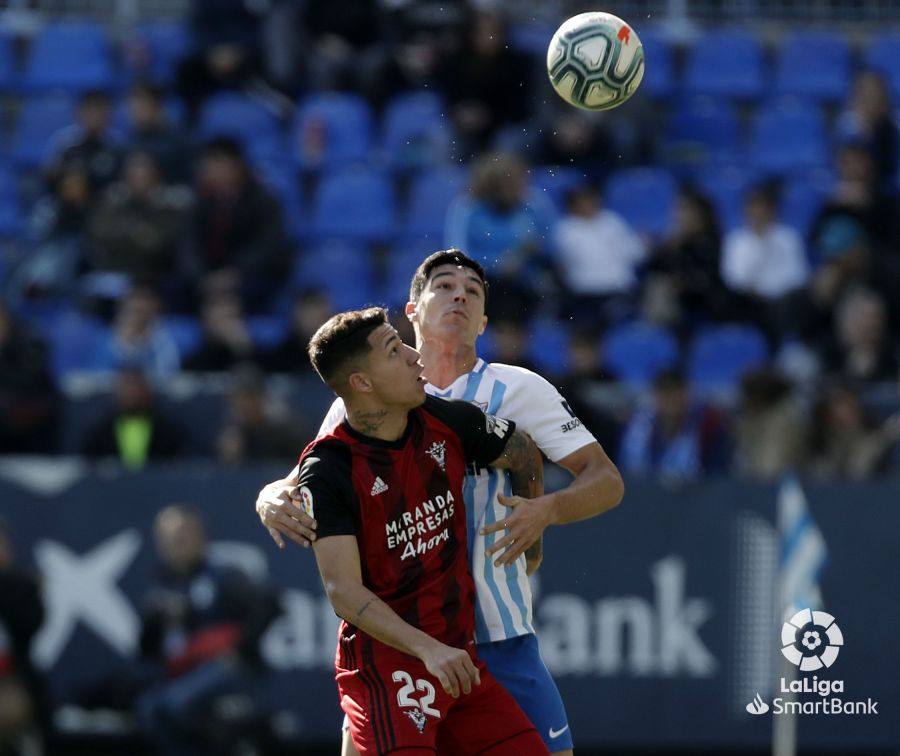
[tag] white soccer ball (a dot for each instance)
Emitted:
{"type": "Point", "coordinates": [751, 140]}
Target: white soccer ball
{"type": "Point", "coordinates": [595, 61]}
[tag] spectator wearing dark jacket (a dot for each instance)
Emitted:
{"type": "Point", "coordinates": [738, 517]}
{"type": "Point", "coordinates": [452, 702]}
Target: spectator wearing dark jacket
{"type": "Point", "coordinates": [152, 132]}
{"type": "Point", "coordinates": [201, 627]}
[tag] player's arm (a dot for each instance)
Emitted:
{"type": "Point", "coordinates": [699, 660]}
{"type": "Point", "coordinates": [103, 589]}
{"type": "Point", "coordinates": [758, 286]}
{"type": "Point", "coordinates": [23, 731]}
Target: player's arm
{"type": "Point", "coordinates": [597, 487]}
{"type": "Point", "coordinates": [338, 561]}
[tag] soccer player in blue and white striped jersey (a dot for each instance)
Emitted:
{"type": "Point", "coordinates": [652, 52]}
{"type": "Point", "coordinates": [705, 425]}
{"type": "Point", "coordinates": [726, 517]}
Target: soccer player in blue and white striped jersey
{"type": "Point", "coordinates": [446, 307]}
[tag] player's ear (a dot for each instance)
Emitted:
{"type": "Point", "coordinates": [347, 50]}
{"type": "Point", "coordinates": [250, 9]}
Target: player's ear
{"type": "Point", "coordinates": [410, 311]}
{"type": "Point", "coordinates": [360, 382]}
{"type": "Point", "coordinates": [484, 322]}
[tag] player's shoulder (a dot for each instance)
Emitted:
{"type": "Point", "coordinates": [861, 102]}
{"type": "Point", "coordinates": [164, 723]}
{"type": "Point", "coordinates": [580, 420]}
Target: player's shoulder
{"type": "Point", "coordinates": [447, 408]}
{"type": "Point", "coordinates": [325, 454]}
{"type": "Point", "coordinates": [518, 377]}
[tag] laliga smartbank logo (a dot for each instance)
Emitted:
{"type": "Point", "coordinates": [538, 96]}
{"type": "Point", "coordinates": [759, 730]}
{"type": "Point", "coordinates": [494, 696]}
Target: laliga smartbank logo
{"type": "Point", "coordinates": [811, 641]}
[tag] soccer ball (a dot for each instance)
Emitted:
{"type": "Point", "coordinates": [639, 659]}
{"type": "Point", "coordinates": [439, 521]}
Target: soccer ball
{"type": "Point", "coordinates": [595, 61]}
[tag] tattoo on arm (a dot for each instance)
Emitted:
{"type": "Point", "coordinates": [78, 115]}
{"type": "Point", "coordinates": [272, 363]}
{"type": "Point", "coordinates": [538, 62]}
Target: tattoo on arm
{"type": "Point", "coordinates": [363, 608]}
{"type": "Point", "coordinates": [526, 468]}
{"type": "Point", "coordinates": [367, 422]}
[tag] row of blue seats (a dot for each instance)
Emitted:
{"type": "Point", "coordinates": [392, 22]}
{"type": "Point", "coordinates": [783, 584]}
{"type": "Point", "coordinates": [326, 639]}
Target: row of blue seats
{"type": "Point", "coordinates": [733, 64]}
{"type": "Point", "coordinates": [633, 353]}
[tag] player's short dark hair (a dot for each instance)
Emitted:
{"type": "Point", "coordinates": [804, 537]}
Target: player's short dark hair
{"type": "Point", "coordinates": [342, 339]}
{"type": "Point", "coordinates": [451, 256]}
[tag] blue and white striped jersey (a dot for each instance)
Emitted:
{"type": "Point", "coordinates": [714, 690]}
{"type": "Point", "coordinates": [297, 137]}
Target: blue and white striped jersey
{"type": "Point", "coordinates": [503, 601]}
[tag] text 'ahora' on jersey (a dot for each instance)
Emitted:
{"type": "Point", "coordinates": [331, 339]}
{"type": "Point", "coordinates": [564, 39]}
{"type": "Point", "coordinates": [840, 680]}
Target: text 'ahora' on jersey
{"type": "Point", "coordinates": [403, 500]}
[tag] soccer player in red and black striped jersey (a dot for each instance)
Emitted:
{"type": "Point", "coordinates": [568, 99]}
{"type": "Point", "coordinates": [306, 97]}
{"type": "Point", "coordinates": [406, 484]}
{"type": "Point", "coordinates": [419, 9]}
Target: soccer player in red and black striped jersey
{"type": "Point", "coordinates": [385, 487]}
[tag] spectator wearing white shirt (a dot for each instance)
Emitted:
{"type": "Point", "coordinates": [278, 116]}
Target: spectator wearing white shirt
{"type": "Point", "coordinates": [764, 258]}
{"type": "Point", "coordinates": [598, 255]}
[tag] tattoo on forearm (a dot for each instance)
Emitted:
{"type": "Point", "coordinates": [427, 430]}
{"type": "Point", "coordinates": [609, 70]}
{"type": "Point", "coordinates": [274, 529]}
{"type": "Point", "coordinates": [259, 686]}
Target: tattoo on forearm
{"type": "Point", "coordinates": [368, 422]}
{"type": "Point", "coordinates": [526, 469]}
{"type": "Point", "coordinates": [363, 608]}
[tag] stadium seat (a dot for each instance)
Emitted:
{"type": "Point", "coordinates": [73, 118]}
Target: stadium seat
{"type": "Point", "coordinates": [74, 343]}
{"type": "Point", "coordinates": [38, 121]}
{"type": "Point", "coordinates": [331, 130]}
{"type": "Point", "coordinates": [725, 63]}
{"type": "Point", "coordinates": [555, 182]}
{"type": "Point", "coordinates": [10, 206]}
{"type": "Point", "coordinates": [883, 54]}
{"type": "Point", "coordinates": [814, 64]}
{"type": "Point", "coordinates": [266, 331]}
{"type": "Point", "coordinates": [282, 180]}
{"type": "Point", "coordinates": [726, 186]}
{"type": "Point", "coordinates": [720, 355]}
{"type": "Point", "coordinates": [645, 197]}
{"type": "Point", "coordinates": [548, 345]}
{"type": "Point", "coordinates": [402, 261]}
{"type": "Point", "coordinates": [414, 133]}
{"type": "Point", "coordinates": [341, 269]}
{"type": "Point", "coordinates": [238, 116]}
{"type": "Point", "coordinates": [530, 38]}
{"type": "Point", "coordinates": [155, 49]}
{"type": "Point", "coordinates": [659, 64]}
{"type": "Point", "coordinates": [69, 55]}
{"type": "Point", "coordinates": [185, 331]}
{"type": "Point", "coordinates": [802, 198]}
{"type": "Point", "coordinates": [788, 136]}
{"type": "Point", "coordinates": [702, 129]}
{"type": "Point", "coordinates": [636, 352]}
{"type": "Point", "coordinates": [7, 63]}
{"type": "Point", "coordinates": [430, 196]}
{"type": "Point", "coordinates": [356, 204]}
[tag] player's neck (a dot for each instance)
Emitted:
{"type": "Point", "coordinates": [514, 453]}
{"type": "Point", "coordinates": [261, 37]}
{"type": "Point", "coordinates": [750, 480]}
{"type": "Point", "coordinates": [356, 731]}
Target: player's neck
{"type": "Point", "coordinates": [381, 422]}
{"type": "Point", "coordinates": [445, 361]}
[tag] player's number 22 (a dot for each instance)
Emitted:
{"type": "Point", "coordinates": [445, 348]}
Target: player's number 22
{"type": "Point", "coordinates": [423, 686]}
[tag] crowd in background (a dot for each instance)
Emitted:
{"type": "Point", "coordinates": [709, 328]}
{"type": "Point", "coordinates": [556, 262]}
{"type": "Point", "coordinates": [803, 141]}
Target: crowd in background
{"type": "Point", "coordinates": [142, 229]}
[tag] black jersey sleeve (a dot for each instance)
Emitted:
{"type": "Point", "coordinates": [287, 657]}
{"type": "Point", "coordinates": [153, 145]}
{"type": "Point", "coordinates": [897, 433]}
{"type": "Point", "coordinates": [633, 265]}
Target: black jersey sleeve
{"type": "Point", "coordinates": [483, 436]}
{"type": "Point", "coordinates": [326, 490]}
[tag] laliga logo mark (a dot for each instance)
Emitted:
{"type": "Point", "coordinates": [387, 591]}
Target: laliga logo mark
{"type": "Point", "coordinates": [811, 640]}
{"type": "Point", "coordinates": [757, 705]}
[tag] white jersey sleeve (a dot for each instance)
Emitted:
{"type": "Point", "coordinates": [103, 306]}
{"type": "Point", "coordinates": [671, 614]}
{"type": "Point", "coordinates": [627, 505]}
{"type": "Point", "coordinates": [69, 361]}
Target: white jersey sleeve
{"type": "Point", "coordinates": [335, 416]}
{"type": "Point", "coordinates": [542, 412]}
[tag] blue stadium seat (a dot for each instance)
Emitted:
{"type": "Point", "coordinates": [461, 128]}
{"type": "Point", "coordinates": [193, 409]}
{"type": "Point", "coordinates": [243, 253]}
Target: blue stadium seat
{"type": "Point", "coordinates": [645, 197]}
{"type": "Point", "coordinates": [341, 269]}
{"type": "Point", "coordinates": [548, 345]}
{"type": "Point", "coordinates": [38, 121]}
{"type": "Point", "coordinates": [659, 64]}
{"type": "Point", "coordinates": [702, 129]}
{"type": "Point", "coordinates": [636, 352]}
{"type": "Point", "coordinates": [331, 130]}
{"type": "Point", "coordinates": [725, 63]}
{"type": "Point", "coordinates": [7, 63]}
{"type": "Point", "coordinates": [185, 331]}
{"type": "Point", "coordinates": [266, 331]}
{"type": "Point", "coordinates": [70, 55]}
{"type": "Point", "coordinates": [814, 64]}
{"type": "Point", "coordinates": [10, 205]}
{"type": "Point", "coordinates": [788, 136]}
{"type": "Point", "coordinates": [530, 38]}
{"type": "Point", "coordinates": [156, 49]}
{"type": "Point", "coordinates": [238, 116]}
{"type": "Point", "coordinates": [801, 200]}
{"type": "Point", "coordinates": [720, 355]}
{"type": "Point", "coordinates": [282, 180]}
{"type": "Point", "coordinates": [726, 186]}
{"type": "Point", "coordinates": [414, 132]}
{"type": "Point", "coordinates": [356, 204]}
{"type": "Point", "coordinates": [430, 196]}
{"type": "Point", "coordinates": [402, 261]}
{"type": "Point", "coordinates": [555, 182]}
{"type": "Point", "coordinates": [74, 342]}
{"type": "Point", "coordinates": [883, 54]}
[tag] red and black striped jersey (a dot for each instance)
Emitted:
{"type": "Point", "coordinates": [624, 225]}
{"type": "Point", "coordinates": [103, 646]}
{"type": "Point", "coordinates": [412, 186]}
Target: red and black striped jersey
{"type": "Point", "coordinates": [403, 500]}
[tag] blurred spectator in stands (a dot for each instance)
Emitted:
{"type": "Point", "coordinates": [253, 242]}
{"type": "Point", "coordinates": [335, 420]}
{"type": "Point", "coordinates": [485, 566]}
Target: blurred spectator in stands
{"type": "Point", "coordinates": [138, 337]}
{"type": "Point", "coordinates": [226, 51]}
{"type": "Point", "coordinates": [226, 336]}
{"type": "Point", "coordinates": [869, 119]}
{"type": "Point", "coordinates": [311, 308]}
{"type": "Point", "coordinates": [201, 627]}
{"type": "Point", "coordinates": [770, 428]}
{"type": "Point", "coordinates": [29, 402]}
{"type": "Point", "coordinates": [598, 255]}
{"type": "Point", "coordinates": [24, 710]}
{"type": "Point", "coordinates": [343, 41]}
{"type": "Point", "coordinates": [572, 137]}
{"type": "Point", "coordinates": [764, 258]}
{"type": "Point", "coordinates": [499, 225]}
{"type": "Point", "coordinates": [140, 226]}
{"type": "Point", "coordinates": [487, 83]}
{"type": "Point", "coordinates": [857, 195]}
{"type": "Point", "coordinates": [510, 343]}
{"type": "Point", "coordinates": [686, 264]}
{"type": "Point", "coordinates": [152, 132]}
{"type": "Point", "coordinates": [238, 224]}
{"type": "Point", "coordinates": [88, 142]}
{"type": "Point", "coordinates": [673, 436]}
{"type": "Point", "coordinates": [257, 429]}
{"type": "Point", "coordinates": [845, 440]}
{"type": "Point", "coordinates": [861, 348]}
{"type": "Point", "coordinates": [134, 430]}
{"type": "Point", "coordinates": [583, 375]}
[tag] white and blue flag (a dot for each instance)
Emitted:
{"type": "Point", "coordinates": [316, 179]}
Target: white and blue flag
{"type": "Point", "coordinates": [801, 550]}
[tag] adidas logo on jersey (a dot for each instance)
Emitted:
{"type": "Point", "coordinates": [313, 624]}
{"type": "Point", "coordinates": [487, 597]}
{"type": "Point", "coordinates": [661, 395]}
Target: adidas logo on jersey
{"type": "Point", "coordinates": [379, 487]}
